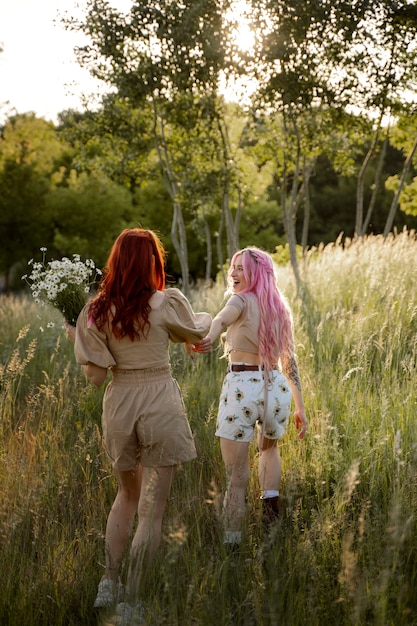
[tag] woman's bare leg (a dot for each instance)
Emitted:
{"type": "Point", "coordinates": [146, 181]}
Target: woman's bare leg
{"type": "Point", "coordinates": [269, 468]}
{"type": "Point", "coordinates": [269, 471]}
{"type": "Point", "coordinates": [236, 459]}
{"type": "Point", "coordinates": [156, 484]}
{"type": "Point", "coordinates": [121, 519]}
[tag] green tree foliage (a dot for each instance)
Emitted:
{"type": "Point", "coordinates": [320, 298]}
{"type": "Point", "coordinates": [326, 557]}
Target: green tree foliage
{"type": "Point", "coordinates": [163, 57]}
{"type": "Point", "coordinates": [45, 203]}
{"type": "Point", "coordinates": [405, 186]}
{"type": "Point", "coordinates": [30, 154]}
{"type": "Point", "coordinates": [333, 200]}
{"type": "Point", "coordinates": [262, 225]}
{"type": "Point", "coordinates": [89, 214]}
{"type": "Point", "coordinates": [317, 62]}
{"type": "Point", "coordinates": [25, 225]}
{"type": "Point", "coordinates": [167, 152]}
{"type": "Point", "coordinates": [27, 139]}
{"type": "Point", "coordinates": [115, 141]}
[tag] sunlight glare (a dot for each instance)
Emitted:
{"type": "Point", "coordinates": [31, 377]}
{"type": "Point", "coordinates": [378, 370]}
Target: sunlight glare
{"type": "Point", "coordinates": [239, 89]}
{"type": "Point", "coordinates": [243, 35]}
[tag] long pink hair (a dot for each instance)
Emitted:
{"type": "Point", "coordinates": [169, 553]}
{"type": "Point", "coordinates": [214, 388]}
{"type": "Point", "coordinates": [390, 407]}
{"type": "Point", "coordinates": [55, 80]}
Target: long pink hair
{"type": "Point", "coordinates": [134, 271]}
{"type": "Point", "coordinates": [276, 325]}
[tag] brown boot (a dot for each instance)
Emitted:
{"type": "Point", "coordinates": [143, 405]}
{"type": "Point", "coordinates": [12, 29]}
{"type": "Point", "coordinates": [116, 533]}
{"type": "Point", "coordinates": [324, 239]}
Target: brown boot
{"type": "Point", "coordinates": [270, 510]}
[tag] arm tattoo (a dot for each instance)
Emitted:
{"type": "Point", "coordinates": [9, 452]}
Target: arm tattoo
{"type": "Point", "coordinates": [289, 366]}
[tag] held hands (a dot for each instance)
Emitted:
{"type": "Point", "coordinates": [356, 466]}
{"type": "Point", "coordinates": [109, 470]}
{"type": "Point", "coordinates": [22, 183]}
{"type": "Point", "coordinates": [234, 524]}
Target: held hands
{"type": "Point", "coordinates": [300, 423]}
{"type": "Point", "coordinates": [204, 346]}
{"type": "Point", "coordinates": [201, 347]}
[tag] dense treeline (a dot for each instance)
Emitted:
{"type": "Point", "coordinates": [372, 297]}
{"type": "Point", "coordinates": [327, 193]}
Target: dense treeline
{"type": "Point", "coordinates": [324, 142]}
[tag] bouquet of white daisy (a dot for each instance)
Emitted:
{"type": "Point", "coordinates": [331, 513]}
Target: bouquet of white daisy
{"type": "Point", "coordinates": [64, 284]}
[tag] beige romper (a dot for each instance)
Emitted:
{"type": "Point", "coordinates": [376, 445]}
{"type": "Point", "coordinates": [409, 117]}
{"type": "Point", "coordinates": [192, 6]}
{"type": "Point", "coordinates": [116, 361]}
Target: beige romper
{"type": "Point", "coordinates": [143, 418]}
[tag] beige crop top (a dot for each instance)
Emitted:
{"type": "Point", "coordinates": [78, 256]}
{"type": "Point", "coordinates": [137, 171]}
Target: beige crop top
{"type": "Point", "coordinates": [243, 333]}
{"type": "Point", "coordinates": [173, 320]}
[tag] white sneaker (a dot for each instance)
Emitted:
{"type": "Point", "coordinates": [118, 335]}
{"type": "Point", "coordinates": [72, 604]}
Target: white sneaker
{"type": "Point", "coordinates": [109, 591]}
{"type": "Point", "coordinates": [128, 615]}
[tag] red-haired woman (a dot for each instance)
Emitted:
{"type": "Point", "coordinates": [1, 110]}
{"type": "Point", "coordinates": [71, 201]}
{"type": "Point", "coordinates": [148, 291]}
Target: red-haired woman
{"type": "Point", "coordinates": [261, 380]}
{"type": "Point", "coordinates": [127, 328]}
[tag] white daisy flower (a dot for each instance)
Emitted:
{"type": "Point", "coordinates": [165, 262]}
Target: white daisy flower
{"type": "Point", "coordinates": [65, 283]}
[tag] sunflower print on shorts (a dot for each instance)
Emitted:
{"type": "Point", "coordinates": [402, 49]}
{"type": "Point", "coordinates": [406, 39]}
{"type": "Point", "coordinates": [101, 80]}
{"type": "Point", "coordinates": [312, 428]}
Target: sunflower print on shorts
{"type": "Point", "coordinates": [241, 406]}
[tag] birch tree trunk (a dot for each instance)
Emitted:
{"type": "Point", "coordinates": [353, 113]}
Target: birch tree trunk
{"type": "Point", "coordinates": [220, 259]}
{"type": "Point", "coordinates": [305, 195]}
{"type": "Point", "coordinates": [289, 205]}
{"type": "Point", "coordinates": [209, 248]}
{"type": "Point", "coordinates": [360, 188]}
{"type": "Point", "coordinates": [178, 232]}
{"type": "Point", "coordinates": [377, 183]}
{"type": "Point", "coordinates": [232, 223]}
{"type": "Point", "coordinates": [396, 199]}
{"type": "Point", "coordinates": [289, 210]}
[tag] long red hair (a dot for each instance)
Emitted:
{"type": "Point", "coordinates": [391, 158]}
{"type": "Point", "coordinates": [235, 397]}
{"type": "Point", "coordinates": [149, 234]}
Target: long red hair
{"type": "Point", "coordinates": [134, 270]}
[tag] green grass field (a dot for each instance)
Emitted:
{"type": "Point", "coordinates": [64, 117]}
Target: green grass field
{"type": "Point", "coordinates": [344, 550]}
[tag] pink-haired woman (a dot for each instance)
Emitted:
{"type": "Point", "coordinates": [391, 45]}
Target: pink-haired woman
{"type": "Point", "coordinates": [127, 328]}
{"type": "Point", "coordinates": [262, 379]}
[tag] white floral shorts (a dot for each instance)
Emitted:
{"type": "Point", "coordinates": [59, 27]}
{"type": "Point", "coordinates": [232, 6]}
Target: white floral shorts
{"type": "Point", "coordinates": [241, 405]}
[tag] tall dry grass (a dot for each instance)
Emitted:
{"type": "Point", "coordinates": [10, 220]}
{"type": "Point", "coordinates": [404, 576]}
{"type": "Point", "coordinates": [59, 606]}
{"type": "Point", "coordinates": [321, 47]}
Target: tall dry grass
{"type": "Point", "coordinates": [344, 548]}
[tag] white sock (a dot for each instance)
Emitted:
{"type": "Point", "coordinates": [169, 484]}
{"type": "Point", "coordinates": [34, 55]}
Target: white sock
{"type": "Point", "coordinates": [232, 536]}
{"type": "Point", "coordinates": [269, 493]}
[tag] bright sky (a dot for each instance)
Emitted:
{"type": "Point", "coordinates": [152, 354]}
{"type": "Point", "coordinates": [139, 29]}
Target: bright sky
{"type": "Point", "coordinates": [38, 69]}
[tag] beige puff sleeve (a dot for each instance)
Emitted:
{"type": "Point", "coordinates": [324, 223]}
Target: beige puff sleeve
{"type": "Point", "coordinates": [91, 343]}
{"type": "Point", "coordinates": [182, 323]}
